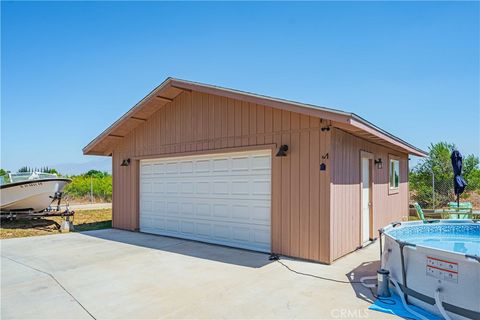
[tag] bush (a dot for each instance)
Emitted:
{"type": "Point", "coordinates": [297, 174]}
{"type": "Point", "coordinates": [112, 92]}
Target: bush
{"type": "Point", "coordinates": [82, 184]}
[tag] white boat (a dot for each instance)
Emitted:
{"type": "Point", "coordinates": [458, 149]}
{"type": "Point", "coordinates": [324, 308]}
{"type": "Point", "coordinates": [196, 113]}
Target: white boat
{"type": "Point", "coordinates": [31, 191]}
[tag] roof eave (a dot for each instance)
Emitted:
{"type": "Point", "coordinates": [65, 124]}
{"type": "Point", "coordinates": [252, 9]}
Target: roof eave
{"type": "Point", "coordinates": [367, 126]}
{"type": "Point", "coordinates": [316, 111]}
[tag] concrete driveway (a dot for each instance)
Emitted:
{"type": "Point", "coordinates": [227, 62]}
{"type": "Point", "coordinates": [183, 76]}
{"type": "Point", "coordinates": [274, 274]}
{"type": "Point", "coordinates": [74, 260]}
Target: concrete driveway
{"type": "Point", "coordinates": [112, 274]}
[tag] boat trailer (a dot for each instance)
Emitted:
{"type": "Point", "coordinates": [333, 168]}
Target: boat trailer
{"type": "Point", "coordinates": [55, 211]}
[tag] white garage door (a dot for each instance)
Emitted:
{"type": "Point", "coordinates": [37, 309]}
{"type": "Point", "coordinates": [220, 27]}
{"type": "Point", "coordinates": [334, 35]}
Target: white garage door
{"type": "Point", "coordinates": [217, 198]}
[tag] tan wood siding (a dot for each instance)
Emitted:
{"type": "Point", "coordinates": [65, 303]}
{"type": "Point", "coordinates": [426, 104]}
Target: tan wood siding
{"type": "Point", "coordinates": [200, 122]}
{"type": "Point", "coordinates": [345, 191]}
{"type": "Point", "coordinates": [125, 187]}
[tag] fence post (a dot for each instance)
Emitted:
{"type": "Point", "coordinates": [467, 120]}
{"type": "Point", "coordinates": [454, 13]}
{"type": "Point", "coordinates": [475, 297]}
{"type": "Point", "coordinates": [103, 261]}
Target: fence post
{"type": "Point", "coordinates": [91, 190]}
{"type": "Point", "coordinates": [433, 190]}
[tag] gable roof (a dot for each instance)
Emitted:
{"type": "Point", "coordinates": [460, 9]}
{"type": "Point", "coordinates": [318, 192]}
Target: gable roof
{"type": "Point", "coordinates": [171, 87]}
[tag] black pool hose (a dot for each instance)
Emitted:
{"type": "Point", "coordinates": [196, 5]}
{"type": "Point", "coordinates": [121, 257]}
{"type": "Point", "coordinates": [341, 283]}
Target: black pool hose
{"type": "Point", "coordinates": [402, 245]}
{"type": "Point", "coordinates": [474, 257]}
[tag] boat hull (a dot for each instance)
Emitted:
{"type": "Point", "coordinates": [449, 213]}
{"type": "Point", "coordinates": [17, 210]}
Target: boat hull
{"type": "Point", "coordinates": [32, 195]}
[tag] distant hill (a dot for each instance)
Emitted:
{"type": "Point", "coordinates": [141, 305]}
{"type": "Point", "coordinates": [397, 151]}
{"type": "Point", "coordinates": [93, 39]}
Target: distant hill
{"type": "Point", "coordinates": [78, 168]}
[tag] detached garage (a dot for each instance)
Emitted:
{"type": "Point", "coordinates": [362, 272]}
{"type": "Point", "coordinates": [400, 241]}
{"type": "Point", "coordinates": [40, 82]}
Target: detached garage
{"type": "Point", "coordinates": [222, 166]}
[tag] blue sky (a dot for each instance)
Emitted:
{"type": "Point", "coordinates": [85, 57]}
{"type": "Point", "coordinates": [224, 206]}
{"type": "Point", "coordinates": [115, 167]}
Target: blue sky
{"type": "Point", "coordinates": [69, 70]}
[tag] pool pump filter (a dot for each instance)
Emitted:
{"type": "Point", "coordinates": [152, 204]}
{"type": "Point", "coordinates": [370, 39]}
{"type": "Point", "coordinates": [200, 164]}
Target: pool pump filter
{"type": "Point", "coordinates": [383, 279]}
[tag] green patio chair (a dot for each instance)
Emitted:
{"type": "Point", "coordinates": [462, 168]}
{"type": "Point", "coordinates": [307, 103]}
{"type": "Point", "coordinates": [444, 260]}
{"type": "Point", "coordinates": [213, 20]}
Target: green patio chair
{"type": "Point", "coordinates": [463, 205]}
{"type": "Point", "coordinates": [463, 210]}
{"type": "Point", "coordinates": [419, 210]}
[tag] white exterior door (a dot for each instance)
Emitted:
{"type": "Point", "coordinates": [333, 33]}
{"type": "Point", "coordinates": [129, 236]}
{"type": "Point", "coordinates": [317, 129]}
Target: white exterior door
{"type": "Point", "coordinates": [218, 198]}
{"type": "Point", "coordinates": [365, 200]}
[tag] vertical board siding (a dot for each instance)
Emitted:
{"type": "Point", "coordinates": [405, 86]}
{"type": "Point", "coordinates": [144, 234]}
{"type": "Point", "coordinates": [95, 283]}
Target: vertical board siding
{"type": "Point", "coordinates": [286, 185]}
{"type": "Point", "coordinates": [197, 122]}
{"type": "Point", "coordinates": [345, 191]}
{"type": "Point", "coordinates": [294, 156]}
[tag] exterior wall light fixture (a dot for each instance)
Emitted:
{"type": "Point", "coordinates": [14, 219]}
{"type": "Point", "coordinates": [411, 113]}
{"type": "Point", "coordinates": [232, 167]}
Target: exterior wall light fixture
{"type": "Point", "coordinates": [125, 162]}
{"type": "Point", "coordinates": [282, 151]}
{"type": "Point", "coordinates": [379, 163]}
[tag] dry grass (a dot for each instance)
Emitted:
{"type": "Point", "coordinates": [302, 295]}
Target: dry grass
{"type": "Point", "coordinates": [84, 220]}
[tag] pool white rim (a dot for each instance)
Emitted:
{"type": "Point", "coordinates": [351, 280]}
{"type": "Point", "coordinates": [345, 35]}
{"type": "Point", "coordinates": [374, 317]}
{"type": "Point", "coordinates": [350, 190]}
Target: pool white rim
{"type": "Point", "coordinates": [397, 225]}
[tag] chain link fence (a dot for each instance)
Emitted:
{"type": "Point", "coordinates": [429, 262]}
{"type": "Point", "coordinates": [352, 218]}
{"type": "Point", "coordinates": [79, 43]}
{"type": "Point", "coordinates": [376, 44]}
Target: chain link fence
{"type": "Point", "coordinates": [436, 192]}
{"type": "Point", "coordinates": [84, 189]}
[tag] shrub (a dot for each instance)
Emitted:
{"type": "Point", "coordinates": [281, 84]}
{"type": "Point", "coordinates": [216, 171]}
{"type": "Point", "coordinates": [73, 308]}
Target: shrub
{"type": "Point", "coordinates": [81, 185]}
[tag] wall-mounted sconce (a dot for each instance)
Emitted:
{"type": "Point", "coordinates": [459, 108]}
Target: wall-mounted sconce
{"type": "Point", "coordinates": [327, 128]}
{"type": "Point", "coordinates": [125, 162]}
{"type": "Point", "coordinates": [379, 163]}
{"type": "Point", "coordinates": [282, 151]}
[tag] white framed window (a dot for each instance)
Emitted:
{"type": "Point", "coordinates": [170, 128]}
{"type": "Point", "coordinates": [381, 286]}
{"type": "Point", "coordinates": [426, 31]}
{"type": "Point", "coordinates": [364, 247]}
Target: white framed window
{"type": "Point", "coordinates": [393, 173]}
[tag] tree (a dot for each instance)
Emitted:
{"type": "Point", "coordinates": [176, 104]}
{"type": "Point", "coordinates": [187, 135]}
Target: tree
{"type": "Point", "coordinates": [471, 172]}
{"type": "Point", "coordinates": [81, 184]}
{"type": "Point", "coordinates": [51, 170]}
{"type": "Point", "coordinates": [96, 174]}
{"type": "Point", "coordinates": [438, 166]}
{"type": "Point", "coordinates": [4, 175]}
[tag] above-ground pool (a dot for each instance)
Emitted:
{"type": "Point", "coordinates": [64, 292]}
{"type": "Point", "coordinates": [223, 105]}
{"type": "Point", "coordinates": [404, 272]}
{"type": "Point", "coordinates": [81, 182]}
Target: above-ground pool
{"type": "Point", "coordinates": [441, 265]}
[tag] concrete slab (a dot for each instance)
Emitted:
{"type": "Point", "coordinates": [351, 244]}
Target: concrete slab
{"type": "Point", "coordinates": [117, 274]}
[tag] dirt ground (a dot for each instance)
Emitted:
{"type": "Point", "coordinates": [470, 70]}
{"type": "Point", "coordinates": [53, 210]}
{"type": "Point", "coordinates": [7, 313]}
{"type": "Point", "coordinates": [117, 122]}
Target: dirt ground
{"type": "Point", "coordinates": [83, 220]}
{"type": "Point", "coordinates": [474, 198]}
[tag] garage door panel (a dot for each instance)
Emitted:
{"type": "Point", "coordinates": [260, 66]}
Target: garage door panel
{"type": "Point", "coordinates": [221, 210]}
{"type": "Point", "coordinates": [221, 199]}
{"type": "Point", "coordinates": [188, 227]}
{"type": "Point", "coordinates": [186, 167]}
{"type": "Point", "coordinates": [261, 237]}
{"type": "Point", "coordinates": [172, 225]}
{"type": "Point", "coordinates": [240, 164]}
{"type": "Point", "coordinates": [172, 208]}
{"type": "Point", "coordinates": [221, 231]}
{"type": "Point", "coordinates": [261, 214]}
{"type": "Point", "coordinates": [172, 187]}
{"type": "Point", "coordinates": [220, 188]}
{"type": "Point", "coordinates": [260, 163]}
{"type": "Point", "coordinates": [202, 166]}
{"type": "Point", "coordinates": [202, 187]}
{"type": "Point", "coordinates": [158, 168]}
{"type": "Point", "coordinates": [146, 187]}
{"type": "Point", "coordinates": [187, 209]}
{"type": "Point", "coordinates": [171, 168]}
{"type": "Point", "coordinates": [204, 229]}
{"type": "Point", "coordinates": [158, 187]}
{"type": "Point", "coordinates": [203, 210]}
{"type": "Point", "coordinates": [261, 187]}
{"type": "Point", "coordinates": [148, 206]}
{"type": "Point", "coordinates": [241, 234]}
{"type": "Point", "coordinates": [220, 165]}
